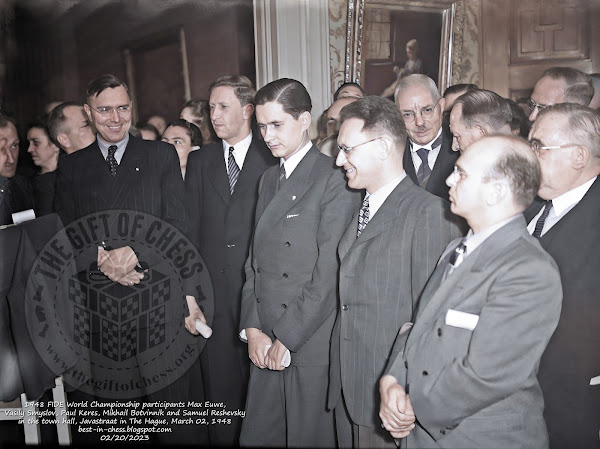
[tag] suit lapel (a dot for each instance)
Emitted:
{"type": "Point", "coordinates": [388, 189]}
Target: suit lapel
{"type": "Point", "coordinates": [443, 164]}
{"type": "Point", "coordinates": [252, 164]}
{"type": "Point", "coordinates": [217, 175]}
{"type": "Point", "coordinates": [409, 166]}
{"type": "Point", "coordinates": [290, 194]}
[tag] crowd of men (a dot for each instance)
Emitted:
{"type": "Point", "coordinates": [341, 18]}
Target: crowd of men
{"type": "Point", "coordinates": [423, 275]}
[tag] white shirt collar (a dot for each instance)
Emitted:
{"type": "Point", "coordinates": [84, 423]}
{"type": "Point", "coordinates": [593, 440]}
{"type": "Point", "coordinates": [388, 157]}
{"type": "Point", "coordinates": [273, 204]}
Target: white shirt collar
{"type": "Point", "coordinates": [572, 197]}
{"type": "Point", "coordinates": [377, 198]}
{"type": "Point", "coordinates": [240, 150]}
{"type": "Point", "coordinates": [472, 241]}
{"type": "Point", "coordinates": [292, 162]}
{"type": "Point", "coordinates": [415, 146]}
{"type": "Point", "coordinates": [120, 147]}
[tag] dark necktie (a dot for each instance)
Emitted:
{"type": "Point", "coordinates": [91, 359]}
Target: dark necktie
{"type": "Point", "coordinates": [456, 258]}
{"type": "Point", "coordinates": [112, 162]}
{"type": "Point", "coordinates": [233, 170]}
{"type": "Point", "coordinates": [282, 177]}
{"type": "Point", "coordinates": [539, 224]}
{"type": "Point", "coordinates": [424, 170]}
{"type": "Point", "coordinates": [363, 217]}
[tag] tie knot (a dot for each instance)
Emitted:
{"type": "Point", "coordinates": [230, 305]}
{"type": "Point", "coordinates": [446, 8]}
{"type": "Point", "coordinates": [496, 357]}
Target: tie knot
{"type": "Point", "coordinates": [112, 150]}
{"type": "Point", "coordinates": [231, 150]}
{"type": "Point", "coordinates": [365, 203]}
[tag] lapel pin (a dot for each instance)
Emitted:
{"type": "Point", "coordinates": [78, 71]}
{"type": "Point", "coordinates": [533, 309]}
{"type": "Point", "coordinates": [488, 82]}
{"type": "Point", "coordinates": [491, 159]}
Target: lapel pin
{"type": "Point", "coordinates": [293, 197]}
{"type": "Point", "coordinates": [137, 168]}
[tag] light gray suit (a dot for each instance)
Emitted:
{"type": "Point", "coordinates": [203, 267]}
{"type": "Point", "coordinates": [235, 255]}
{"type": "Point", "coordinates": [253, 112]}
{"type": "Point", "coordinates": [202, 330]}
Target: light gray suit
{"type": "Point", "coordinates": [382, 275]}
{"type": "Point", "coordinates": [291, 294]}
{"type": "Point", "coordinates": [478, 389]}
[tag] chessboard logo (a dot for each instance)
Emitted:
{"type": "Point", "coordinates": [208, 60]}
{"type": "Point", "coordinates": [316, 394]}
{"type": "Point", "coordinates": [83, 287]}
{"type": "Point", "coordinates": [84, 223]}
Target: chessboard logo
{"type": "Point", "coordinates": [115, 320]}
{"type": "Point", "coordinates": [108, 339]}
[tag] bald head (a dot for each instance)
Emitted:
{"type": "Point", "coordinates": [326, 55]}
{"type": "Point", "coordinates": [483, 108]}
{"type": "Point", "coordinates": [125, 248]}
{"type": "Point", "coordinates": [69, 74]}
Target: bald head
{"type": "Point", "coordinates": [333, 114]}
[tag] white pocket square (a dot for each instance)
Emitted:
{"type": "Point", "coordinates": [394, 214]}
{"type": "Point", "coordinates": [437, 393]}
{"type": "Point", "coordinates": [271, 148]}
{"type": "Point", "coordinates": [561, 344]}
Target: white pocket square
{"type": "Point", "coordinates": [292, 215]}
{"type": "Point", "coordinates": [460, 319]}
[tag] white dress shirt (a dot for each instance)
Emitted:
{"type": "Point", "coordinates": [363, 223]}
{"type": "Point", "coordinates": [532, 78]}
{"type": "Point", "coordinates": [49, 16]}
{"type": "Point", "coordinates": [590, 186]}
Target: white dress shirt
{"type": "Point", "coordinates": [292, 162]}
{"type": "Point", "coordinates": [120, 147]}
{"type": "Point", "coordinates": [240, 150]}
{"type": "Point", "coordinates": [432, 154]}
{"type": "Point", "coordinates": [377, 198]}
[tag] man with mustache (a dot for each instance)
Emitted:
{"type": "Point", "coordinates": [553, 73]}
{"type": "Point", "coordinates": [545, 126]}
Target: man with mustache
{"type": "Point", "coordinates": [428, 157]}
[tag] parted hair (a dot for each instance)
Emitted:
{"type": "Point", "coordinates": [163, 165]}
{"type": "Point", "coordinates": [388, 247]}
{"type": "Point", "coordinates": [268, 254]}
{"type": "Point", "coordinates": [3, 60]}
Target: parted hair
{"type": "Point", "coordinates": [241, 85]}
{"type": "Point", "coordinates": [379, 115]}
{"type": "Point", "coordinates": [414, 81]}
{"type": "Point", "coordinates": [486, 109]}
{"type": "Point", "coordinates": [579, 88]}
{"type": "Point", "coordinates": [583, 124]}
{"type": "Point", "coordinates": [519, 166]}
{"type": "Point", "coordinates": [457, 88]}
{"type": "Point", "coordinates": [190, 128]}
{"type": "Point", "coordinates": [103, 82]}
{"type": "Point", "coordinates": [337, 92]}
{"type": "Point", "coordinates": [289, 93]}
{"type": "Point", "coordinates": [5, 120]}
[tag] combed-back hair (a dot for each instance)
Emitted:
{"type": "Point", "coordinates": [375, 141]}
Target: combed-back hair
{"type": "Point", "coordinates": [414, 81]}
{"type": "Point", "coordinates": [578, 86]}
{"type": "Point", "coordinates": [241, 85]}
{"type": "Point", "coordinates": [56, 122]}
{"type": "Point", "coordinates": [337, 92]}
{"type": "Point", "coordinates": [190, 128]}
{"type": "Point", "coordinates": [103, 82]}
{"type": "Point", "coordinates": [458, 88]}
{"type": "Point", "coordinates": [486, 109]}
{"type": "Point", "coordinates": [289, 93]}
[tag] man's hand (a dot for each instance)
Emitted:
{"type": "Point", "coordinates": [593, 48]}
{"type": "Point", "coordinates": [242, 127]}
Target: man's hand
{"type": "Point", "coordinates": [257, 340]}
{"type": "Point", "coordinates": [116, 263]}
{"type": "Point", "coordinates": [195, 314]}
{"type": "Point", "coordinates": [275, 356]}
{"type": "Point", "coordinates": [395, 411]}
{"type": "Point", "coordinates": [131, 278]}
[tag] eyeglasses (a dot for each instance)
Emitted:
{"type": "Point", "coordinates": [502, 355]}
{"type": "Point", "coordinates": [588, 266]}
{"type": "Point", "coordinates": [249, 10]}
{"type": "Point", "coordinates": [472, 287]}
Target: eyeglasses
{"type": "Point", "coordinates": [426, 112]}
{"type": "Point", "coordinates": [347, 150]}
{"type": "Point", "coordinates": [537, 146]}
{"type": "Point", "coordinates": [106, 111]}
{"type": "Point", "coordinates": [533, 105]}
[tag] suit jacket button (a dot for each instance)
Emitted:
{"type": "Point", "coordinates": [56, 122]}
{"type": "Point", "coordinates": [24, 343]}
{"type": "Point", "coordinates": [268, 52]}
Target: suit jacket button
{"type": "Point", "coordinates": [439, 331]}
{"type": "Point", "coordinates": [231, 245]}
{"type": "Point", "coordinates": [344, 307]}
{"type": "Point", "coordinates": [287, 244]}
{"type": "Point", "coordinates": [425, 373]}
{"type": "Point", "coordinates": [223, 270]}
{"type": "Point", "coordinates": [258, 270]}
{"type": "Point", "coordinates": [283, 306]}
{"type": "Point", "coordinates": [443, 432]}
{"type": "Point", "coordinates": [405, 364]}
{"type": "Point", "coordinates": [257, 300]}
{"type": "Point", "coordinates": [285, 275]}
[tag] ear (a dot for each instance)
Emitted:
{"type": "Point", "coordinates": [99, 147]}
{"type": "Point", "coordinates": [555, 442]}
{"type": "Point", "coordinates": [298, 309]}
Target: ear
{"type": "Point", "coordinates": [247, 111]}
{"type": "Point", "coordinates": [480, 130]}
{"type": "Point", "coordinates": [306, 119]}
{"type": "Point", "coordinates": [63, 140]}
{"type": "Point", "coordinates": [497, 192]}
{"type": "Point", "coordinates": [386, 147]}
{"type": "Point", "coordinates": [88, 112]}
{"type": "Point", "coordinates": [580, 157]}
{"type": "Point", "coordinates": [442, 103]}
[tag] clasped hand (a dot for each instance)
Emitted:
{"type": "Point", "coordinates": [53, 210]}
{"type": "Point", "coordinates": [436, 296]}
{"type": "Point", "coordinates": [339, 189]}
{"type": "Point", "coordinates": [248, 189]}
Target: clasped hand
{"type": "Point", "coordinates": [395, 411]}
{"type": "Point", "coordinates": [119, 265]}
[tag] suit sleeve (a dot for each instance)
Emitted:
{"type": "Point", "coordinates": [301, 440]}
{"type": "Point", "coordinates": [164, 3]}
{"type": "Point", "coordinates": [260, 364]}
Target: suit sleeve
{"type": "Point", "coordinates": [172, 190]}
{"type": "Point", "coordinates": [249, 317]}
{"type": "Point", "coordinates": [64, 202]}
{"type": "Point", "coordinates": [43, 193]}
{"type": "Point", "coordinates": [514, 327]}
{"type": "Point", "coordinates": [193, 197]}
{"type": "Point", "coordinates": [318, 300]}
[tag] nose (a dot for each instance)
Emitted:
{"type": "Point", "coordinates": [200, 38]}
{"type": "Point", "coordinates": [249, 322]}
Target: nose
{"type": "Point", "coordinates": [10, 156]}
{"type": "Point", "coordinates": [340, 160]}
{"type": "Point", "coordinates": [29, 148]}
{"type": "Point", "coordinates": [267, 133]}
{"type": "Point", "coordinates": [419, 119]}
{"type": "Point", "coordinates": [450, 180]}
{"type": "Point", "coordinates": [455, 146]}
{"type": "Point", "coordinates": [213, 113]}
{"type": "Point", "coordinates": [114, 115]}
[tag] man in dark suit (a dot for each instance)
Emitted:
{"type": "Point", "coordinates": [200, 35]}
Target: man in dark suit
{"type": "Point", "coordinates": [121, 172]}
{"type": "Point", "coordinates": [422, 110]}
{"type": "Point", "coordinates": [471, 359]}
{"type": "Point", "coordinates": [566, 140]}
{"type": "Point", "coordinates": [15, 190]}
{"type": "Point", "coordinates": [221, 198]}
{"type": "Point", "coordinates": [289, 298]}
{"type": "Point", "coordinates": [387, 253]}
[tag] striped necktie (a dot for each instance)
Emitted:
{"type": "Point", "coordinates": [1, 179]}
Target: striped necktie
{"type": "Point", "coordinates": [233, 170]}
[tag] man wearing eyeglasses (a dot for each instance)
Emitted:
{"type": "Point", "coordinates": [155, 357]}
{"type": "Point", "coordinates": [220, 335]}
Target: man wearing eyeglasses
{"type": "Point", "coordinates": [467, 370]}
{"type": "Point", "coordinates": [387, 253]}
{"type": "Point", "coordinates": [560, 85]}
{"type": "Point", "coordinates": [566, 141]}
{"type": "Point", "coordinates": [428, 157]}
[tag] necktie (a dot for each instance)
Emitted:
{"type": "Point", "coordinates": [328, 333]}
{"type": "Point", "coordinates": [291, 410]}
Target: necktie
{"type": "Point", "coordinates": [539, 224]}
{"type": "Point", "coordinates": [363, 216]}
{"type": "Point", "coordinates": [282, 177]}
{"type": "Point", "coordinates": [424, 170]}
{"type": "Point", "coordinates": [112, 162]}
{"type": "Point", "coordinates": [456, 258]}
{"type": "Point", "coordinates": [233, 170]}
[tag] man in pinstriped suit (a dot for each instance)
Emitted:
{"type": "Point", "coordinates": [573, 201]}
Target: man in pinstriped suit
{"type": "Point", "coordinates": [387, 254]}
